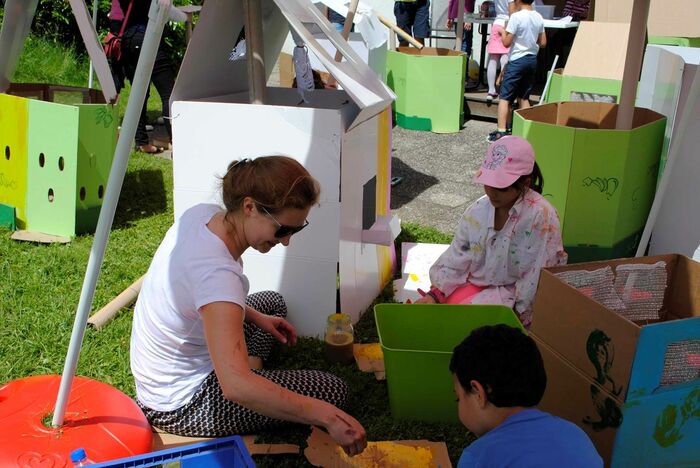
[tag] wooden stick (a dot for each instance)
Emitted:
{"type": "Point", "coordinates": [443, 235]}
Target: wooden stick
{"type": "Point", "coordinates": [346, 33]}
{"type": "Point", "coordinates": [125, 299]}
{"type": "Point", "coordinates": [460, 27]}
{"type": "Point", "coordinates": [633, 64]}
{"type": "Point", "coordinates": [399, 31]}
{"type": "Point", "coordinates": [255, 51]}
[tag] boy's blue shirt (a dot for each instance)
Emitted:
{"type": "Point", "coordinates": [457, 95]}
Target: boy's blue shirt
{"type": "Point", "coordinates": [532, 438]}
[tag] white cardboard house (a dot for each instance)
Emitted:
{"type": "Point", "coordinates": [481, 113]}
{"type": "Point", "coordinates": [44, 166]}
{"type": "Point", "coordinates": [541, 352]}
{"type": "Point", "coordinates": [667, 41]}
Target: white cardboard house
{"type": "Point", "coordinates": [342, 137]}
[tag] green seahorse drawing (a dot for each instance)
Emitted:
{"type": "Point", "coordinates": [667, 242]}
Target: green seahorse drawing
{"type": "Point", "coordinates": [601, 353]}
{"type": "Point", "coordinates": [669, 424]}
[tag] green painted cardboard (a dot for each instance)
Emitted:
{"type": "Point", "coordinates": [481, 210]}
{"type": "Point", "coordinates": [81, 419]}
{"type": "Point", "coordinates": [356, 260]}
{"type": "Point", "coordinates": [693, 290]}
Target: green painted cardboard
{"type": "Point", "coordinates": [429, 87]}
{"type": "Point", "coordinates": [562, 86]}
{"type": "Point", "coordinates": [600, 180]}
{"type": "Point", "coordinates": [675, 41]}
{"type": "Point", "coordinates": [7, 217]}
{"type": "Point", "coordinates": [13, 154]}
{"type": "Point", "coordinates": [70, 154]}
{"type": "Point", "coordinates": [97, 140]}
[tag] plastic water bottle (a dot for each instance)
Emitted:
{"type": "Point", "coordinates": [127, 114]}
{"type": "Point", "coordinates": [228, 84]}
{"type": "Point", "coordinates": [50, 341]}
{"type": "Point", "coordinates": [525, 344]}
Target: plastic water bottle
{"type": "Point", "coordinates": [79, 458]}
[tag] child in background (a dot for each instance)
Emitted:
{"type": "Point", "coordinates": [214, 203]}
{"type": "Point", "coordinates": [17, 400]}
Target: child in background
{"type": "Point", "coordinates": [499, 378]}
{"type": "Point", "coordinates": [503, 239]}
{"type": "Point", "coordinates": [498, 52]}
{"type": "Point", "coordinates": [525, 32]}
{"type": "Point", "coordinates": [468, 30]}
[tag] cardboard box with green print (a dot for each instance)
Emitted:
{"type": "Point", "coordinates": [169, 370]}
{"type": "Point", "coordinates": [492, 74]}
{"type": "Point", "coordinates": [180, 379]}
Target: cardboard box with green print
{"type": "Point", "coordinates": [621, 345]}
{"type": "Point", "coordinates": [429, 87]}
{"type": "Point", "coordinates": [601, 180]}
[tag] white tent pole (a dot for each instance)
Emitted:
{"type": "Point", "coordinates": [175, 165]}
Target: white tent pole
{"type": "Point", "coordinates": [94, 24]}
{"type": "Point", "coordinates": [13, 33]}
{"type": "Point", "coordinates": [255, 52]}
{"type": "Point", "coordinates": [459, 32]}
{"type": "Point", "coordinates": [156, 22]}
{"type": "Point", "coordinates": [683, 123]}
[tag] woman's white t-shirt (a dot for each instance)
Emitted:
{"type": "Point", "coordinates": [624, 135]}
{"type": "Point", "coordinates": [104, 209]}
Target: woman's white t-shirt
{"type": "Point", "coordinates": [191, 268]}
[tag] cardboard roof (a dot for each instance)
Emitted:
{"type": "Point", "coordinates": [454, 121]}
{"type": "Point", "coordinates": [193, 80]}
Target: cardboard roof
{"type": "Point", "coordinates": [207, 71]}
{"type": "Point", "coordinates": [599, 51]}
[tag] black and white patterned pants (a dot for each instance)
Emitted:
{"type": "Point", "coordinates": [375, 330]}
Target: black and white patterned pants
{"type": "Point", "coordinates": [210, 414]}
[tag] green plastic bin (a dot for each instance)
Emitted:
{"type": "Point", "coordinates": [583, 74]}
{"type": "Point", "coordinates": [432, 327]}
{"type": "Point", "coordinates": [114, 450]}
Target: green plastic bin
{"type": "Point", "coordinates": [417, 341]}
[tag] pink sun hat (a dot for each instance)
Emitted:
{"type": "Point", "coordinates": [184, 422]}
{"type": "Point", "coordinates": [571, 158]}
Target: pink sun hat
{"type": "Point", "coordinates": [507, 159]}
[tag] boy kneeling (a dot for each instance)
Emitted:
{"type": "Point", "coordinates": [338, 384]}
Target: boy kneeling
{"type": "Point", "coordinates": [499, 377]}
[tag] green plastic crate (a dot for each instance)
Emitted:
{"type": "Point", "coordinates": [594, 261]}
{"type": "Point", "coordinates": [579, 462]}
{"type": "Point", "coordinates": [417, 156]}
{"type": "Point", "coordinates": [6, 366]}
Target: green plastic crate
{"type": "Point", "coordinates": [417, 341]}
{"type": "Point", "coordinates": [429, 87]}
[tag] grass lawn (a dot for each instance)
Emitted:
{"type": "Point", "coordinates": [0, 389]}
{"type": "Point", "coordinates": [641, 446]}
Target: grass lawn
{"type": "Point", "coordinates": [41, 287]}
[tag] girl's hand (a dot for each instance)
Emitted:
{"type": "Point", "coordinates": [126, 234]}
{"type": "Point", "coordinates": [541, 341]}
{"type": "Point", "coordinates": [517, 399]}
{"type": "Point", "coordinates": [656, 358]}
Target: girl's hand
{"type": "Point", "coordinates": [449, 23]}
{"type": "Point", "coordinates": [425, 300]}
{"type": "Point", "coordinates": [278, 327]}
{"type": "Point", "coordinates": [348, 432]}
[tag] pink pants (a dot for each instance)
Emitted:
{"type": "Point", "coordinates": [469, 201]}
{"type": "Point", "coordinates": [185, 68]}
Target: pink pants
{"type": "Point", "coordinates": [464, 294]}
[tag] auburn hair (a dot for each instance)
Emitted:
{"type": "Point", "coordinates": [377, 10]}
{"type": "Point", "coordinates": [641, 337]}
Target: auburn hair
{"type": "Point", "coordinates": [274, 182]}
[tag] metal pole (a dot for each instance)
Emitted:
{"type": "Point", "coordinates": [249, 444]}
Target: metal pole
{"type": "Point", "coordinates": [255, 53]}
{"type": "Point", "coordinates": [94, 25]}
{"type": "Point", "coordinates": [459, 32]}
{"type": "Point", "coordinates": [156, 22]}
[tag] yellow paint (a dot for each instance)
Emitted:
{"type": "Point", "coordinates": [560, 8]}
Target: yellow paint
{"type": "Point", "coordinates": [13, 143]}
{"type": "Point", "coordinates": [390, 455]}
{"type": "Point", "coordinates": [414, 277]}
{"type": "Point", "coordinates": [370, 351]}
{"type": "Point", "coordinates": [383, 187]}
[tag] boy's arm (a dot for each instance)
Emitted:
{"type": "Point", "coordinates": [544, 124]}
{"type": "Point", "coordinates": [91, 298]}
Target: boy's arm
{"type": "Point", "coordinates": [541, 40]}
{"type": "Point", "coordinates": [507, 38]}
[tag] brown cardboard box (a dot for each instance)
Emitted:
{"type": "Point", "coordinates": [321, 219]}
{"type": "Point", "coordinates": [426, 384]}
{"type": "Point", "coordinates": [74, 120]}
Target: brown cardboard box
{"type": "Point", "coordinates": [589, 350]}
{"type": "Point", "coordinates": [677, 18]}
{"type": "Point", "coordinates": [575, 397]}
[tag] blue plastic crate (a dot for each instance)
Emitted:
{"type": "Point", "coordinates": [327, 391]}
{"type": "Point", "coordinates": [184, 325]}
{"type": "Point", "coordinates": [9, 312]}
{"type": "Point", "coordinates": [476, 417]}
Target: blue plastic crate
{"type": "Point", "coordinates": [226, 452]}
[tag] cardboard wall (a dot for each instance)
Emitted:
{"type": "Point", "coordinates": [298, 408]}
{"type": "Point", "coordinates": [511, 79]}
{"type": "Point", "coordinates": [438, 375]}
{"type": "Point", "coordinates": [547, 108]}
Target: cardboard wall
{"type": "Point", "coordinates": [678, 18]}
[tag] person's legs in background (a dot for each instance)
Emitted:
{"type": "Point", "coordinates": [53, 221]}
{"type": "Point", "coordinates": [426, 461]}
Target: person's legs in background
{"type": "Point", "coordinates": [421, 21]}
{"type": "Point", "coordinates": [163, 78]}
{"type": "Point", "coordinates": [492, 72]}
{"type": "Point", "coordinates": [405, 13]}
{"type": "Point", "coordinates": [467, 39]}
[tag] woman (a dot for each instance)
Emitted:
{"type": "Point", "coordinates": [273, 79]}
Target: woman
{"type": "Point", "coordinates": [198, 341]}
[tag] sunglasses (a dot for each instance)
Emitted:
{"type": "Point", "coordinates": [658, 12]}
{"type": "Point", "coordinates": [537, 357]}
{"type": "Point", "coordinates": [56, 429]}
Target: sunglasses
{"type": "Point", "coordinates": [282, 229]}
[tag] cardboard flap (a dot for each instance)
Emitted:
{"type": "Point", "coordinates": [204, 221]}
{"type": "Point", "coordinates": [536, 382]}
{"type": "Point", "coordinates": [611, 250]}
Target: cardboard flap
{"type": "Point", "coordinates": [207, 69]}
{"type": "Point", "coordinates": [354, 75]}
{"type": "Point", "coordinates": [599, 51]}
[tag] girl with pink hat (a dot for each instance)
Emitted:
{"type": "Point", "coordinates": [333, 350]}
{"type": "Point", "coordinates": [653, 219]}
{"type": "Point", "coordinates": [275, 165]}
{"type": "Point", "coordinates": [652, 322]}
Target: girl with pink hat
{"type": "Point", "coordinates": [503, 239]}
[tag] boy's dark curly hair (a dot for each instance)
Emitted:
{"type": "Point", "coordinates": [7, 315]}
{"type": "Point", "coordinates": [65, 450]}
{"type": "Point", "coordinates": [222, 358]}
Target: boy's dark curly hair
{"type": "Point", "coordinates": [505, 361]}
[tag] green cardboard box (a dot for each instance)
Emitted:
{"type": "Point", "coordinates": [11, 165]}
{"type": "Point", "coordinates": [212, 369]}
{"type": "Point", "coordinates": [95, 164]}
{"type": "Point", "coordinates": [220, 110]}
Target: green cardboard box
{"type": "Point", "coordinates": [575, 88]}
{"type": "Point", "coordinates": [675, 41]}
{"type": "Point", "coordinates": [60, 157]}
{"type": "Point", "coordinates": [429, 87]}
{"type": "Point", "coordinates": [13, 160]}
{"type": "Point", "coordinates": [600, 180]}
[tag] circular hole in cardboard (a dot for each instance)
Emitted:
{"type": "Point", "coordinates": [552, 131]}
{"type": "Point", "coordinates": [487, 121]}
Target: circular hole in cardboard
{"type": "Point", "coordinates": [51, 197]}
{"type": "Point", "coordinates": [61, 163]}
{"type": "Point", "coordinates": [7, 153]}
{"type": "Point", "coordinates": [82, 193]}
{"type": "Point", "coordinates": [100, 191]}
{"type": "Point", "coordinates": [42, 159]}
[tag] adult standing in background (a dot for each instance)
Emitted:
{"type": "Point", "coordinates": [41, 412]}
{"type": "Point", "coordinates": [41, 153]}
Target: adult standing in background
{"type": "Point", "coordinates": [413, 16]}
{"type": "Point", "coordinates": [163, 75]}
{"type": "Point", "coordinates": [468, 30]}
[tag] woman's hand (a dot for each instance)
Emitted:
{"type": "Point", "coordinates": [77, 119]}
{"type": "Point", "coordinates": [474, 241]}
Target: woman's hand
{"type": "Point", "coordinates": [283, 331]}
{"type": "Point", "coordinates": [449, 23]}
{"type": "Point", "coordinates": [348, 432]}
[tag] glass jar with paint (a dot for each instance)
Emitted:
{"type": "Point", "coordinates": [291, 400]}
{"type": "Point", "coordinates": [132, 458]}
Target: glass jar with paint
{"type": "Point", "coordinates": [339, 339]}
